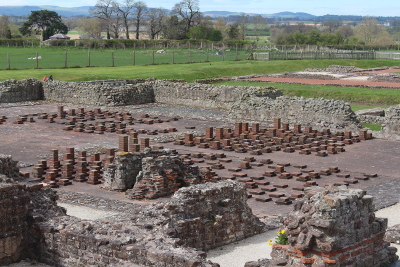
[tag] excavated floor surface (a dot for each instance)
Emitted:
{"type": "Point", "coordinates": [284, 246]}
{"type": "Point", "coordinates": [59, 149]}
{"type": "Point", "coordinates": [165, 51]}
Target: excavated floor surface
{"type": "Point", "coordinates": [30, 142]}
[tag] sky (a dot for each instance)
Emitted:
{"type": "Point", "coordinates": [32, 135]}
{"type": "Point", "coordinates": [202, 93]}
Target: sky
{"type": "Point", "coordinates": [314, 7]}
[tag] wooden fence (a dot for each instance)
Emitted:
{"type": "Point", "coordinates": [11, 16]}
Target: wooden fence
{"type": "Point", "coordinates": [299, 55]}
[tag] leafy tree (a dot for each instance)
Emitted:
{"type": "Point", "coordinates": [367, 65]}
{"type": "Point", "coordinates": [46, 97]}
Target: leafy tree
{"type": "Point", "coordinates": [216, 35]}
{"type": "Point", "coordinates": [44, 22]}
{"type": "Point", "coordinates": [233, 32]}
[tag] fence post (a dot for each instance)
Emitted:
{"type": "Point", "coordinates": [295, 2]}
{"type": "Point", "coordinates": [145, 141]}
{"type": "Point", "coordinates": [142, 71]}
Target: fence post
{"type": "Point", "coordinates": [134, 58]}
{"type": "Point", "coordinates": [207, 56]}
{"type": "Point", "coordinates": [37, 60]}
{"type": "Point", "coordinates": [112, 59]}
{"type": "Point", "coordinates": [65, 60]}
{"type": "Point", "coordinates": [223, 55]}
{"type": "Point", "coordinates": [88, 58]}
{"type": "Point", "coordinates": [190, 55]}
{"type": "Point", "coordinates": [173, 56]}
{"type": "Point", "coordinates": [236, 53]}
{"type": "Point", "coordinates": [152, 58]}
{"type": "Point", "coordinates": [8, 61]}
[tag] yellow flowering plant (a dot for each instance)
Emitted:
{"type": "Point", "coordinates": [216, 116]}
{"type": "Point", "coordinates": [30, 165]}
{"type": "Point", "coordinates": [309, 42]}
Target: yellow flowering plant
{"type": "Point", "coordinates": [281, 239]}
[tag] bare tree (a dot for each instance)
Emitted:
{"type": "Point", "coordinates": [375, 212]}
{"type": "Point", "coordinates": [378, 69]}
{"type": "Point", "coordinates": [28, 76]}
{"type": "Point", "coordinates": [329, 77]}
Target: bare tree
{"type": "Point", "coordinates": [157, 17]}
{"type": "Point", "coordinates": [125, 10]}
{"type": "Point", "coordinates": [91, 27]}
{"type": "Point", "coordinates": [4, 28]}
{"type": "Point", "coordinates": [259, 25]}
{"type": "Point", "coordinates": [189, 12]}
{"type": "Point", "coordinates": [242, 23]}
{"type": "Point", "coordinates": [140, 9]}
{"type": "Point", "coordinates": [372, 33]}
{"type": "Point", "coordinates": [104, 10]}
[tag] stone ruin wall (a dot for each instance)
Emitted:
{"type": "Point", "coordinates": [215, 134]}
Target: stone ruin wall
{"type": "Point", "coordinates": [102, 93]}
{"type": "Point", "coordinates": [336, 227]}
{"type": "Point", "coordinates": [206, 95]}
{"type": "Point", "coordinates": [12, 91]}
{"type": "Point", "coordinates": [170, 234]}
{"type": "Point", "coordinates": [152, 174]}
{"type": "Point", "coordinates": [243, 103]}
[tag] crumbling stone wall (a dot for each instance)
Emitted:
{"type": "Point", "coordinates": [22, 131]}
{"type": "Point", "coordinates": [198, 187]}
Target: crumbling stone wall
{"type": "Point", "coordinates": [21, 205]}
{"type": "Point", "coordinates": [210, 215]}
{"type": "Point", "coordinates": [319, 113]}
{"type": "Point", "coordinates": [122, 173]}
{"type": "Point", "coordinates": [167, 234]}
{"type": "Point", "coordinates": [392, 120]}
{"type": "Point", "coordinates": [8, 166]}
{"type": "Point", "coordinates": [17, 91]}
{"type": "Point", "coordinates": [164, 175]}
{"type": "Point", "coordinates": [151, 174]}
{"type": "Point", "coordinates": [112, 93]}
{"type": "Point", "coordinates": [335, 227]}
{"type": "Point", "coordinates": [208, 96]}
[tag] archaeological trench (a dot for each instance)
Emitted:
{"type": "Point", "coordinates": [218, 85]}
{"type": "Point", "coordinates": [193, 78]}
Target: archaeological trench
{"type": "Point", "coordinates": [198, 184]}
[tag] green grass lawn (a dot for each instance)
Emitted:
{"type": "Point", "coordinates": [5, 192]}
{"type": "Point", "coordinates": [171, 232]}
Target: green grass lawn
{"type": "Point", "coordinates": [373, 127]}
{"type": "Point", "coordinates": [356, 107]}
{"type": "Point", "coordinates": [190, 72]}
{"type": "Point", "coordinates": [375, 97]}
{"type": "Point", "coordinates": [60, 57]}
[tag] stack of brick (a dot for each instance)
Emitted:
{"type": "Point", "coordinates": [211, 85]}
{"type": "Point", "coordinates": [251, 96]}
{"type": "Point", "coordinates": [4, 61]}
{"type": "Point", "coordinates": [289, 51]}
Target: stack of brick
{"type": "Point", "coordinates": [336, 227]}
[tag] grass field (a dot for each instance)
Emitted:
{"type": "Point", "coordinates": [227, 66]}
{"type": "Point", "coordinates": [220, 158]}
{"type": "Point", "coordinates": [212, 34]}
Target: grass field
{"type": "Point", "coordinates": [70, 57]}
{"type": "Point", "coordinates": [375, 97]}
{"type": "Point", "coordinates": [363, 97]}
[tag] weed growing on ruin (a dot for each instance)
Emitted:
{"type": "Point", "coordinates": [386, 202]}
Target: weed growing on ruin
{"type": "Point", "coordinates": [281, 239]}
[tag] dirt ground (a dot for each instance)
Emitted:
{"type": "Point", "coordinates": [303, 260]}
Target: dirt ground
{"type": "Point", "coordinates": [355, 79]}
{"type": "Point", "coordinates": [30, 142]}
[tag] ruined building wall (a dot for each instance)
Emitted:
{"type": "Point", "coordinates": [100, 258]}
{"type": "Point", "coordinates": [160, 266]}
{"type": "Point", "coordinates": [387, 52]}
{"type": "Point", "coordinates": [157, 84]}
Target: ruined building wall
{"type": "Point", "coordinates": [167, 234]}
{"type": "Point", "coordinates": [260, 104]}
{"type": "Point", "coordinates": [21, 205]}
{"type": "Point", "coordinates": [99, 93]}
{"type": "Point", "coordinates": [206, 95]}
{"type": "Point", "coordinates": [17, 91]}
{"type": "Point", "coordinates": [243, 103]}
{"type": "Point", "coordinates": [210, 215]}
{"type": "Point", "coordinates": [336, 227]}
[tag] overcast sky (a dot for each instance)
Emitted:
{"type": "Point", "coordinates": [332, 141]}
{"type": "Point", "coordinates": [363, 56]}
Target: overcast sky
{"type": "Point", "coordinates": [314, 7]}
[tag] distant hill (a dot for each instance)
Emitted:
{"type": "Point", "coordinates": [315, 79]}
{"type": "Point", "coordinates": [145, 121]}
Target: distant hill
{"type": "Point", "coordinates": [62, 11]}
{"type": "Point", "coordinates": [298, 15]}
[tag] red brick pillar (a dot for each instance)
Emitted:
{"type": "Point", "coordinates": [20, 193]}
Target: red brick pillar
{"type": "Point", "coordinates": [219, 133]}
{"type": "Point", "coordinates": [144, 142]}
{"type": "Point", "coordinates": [60, 112]}
{"type": "Point", "coordinates": [255, 127]}
{"type": "Point", "coordinates": [297, 128]}
{"type": "Point", "coordinates": [209, 132]}
{"type": "Point", "coordinates": [277, 123]}
{"type": "Point", "coordinates": [238, 129]}
{"type": "Point", "coordinates": [348, 135]}
{"type": "Point", "coordinates": [54, 163]}
{"type": "Point", "coordinates": [285, 126]}
{"type": "Point", "coordinates": [363, 134]}
{"type": "Point", "coordinates": [123, 145]}
{"type": "Point", "coordinates": [245, 127]}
